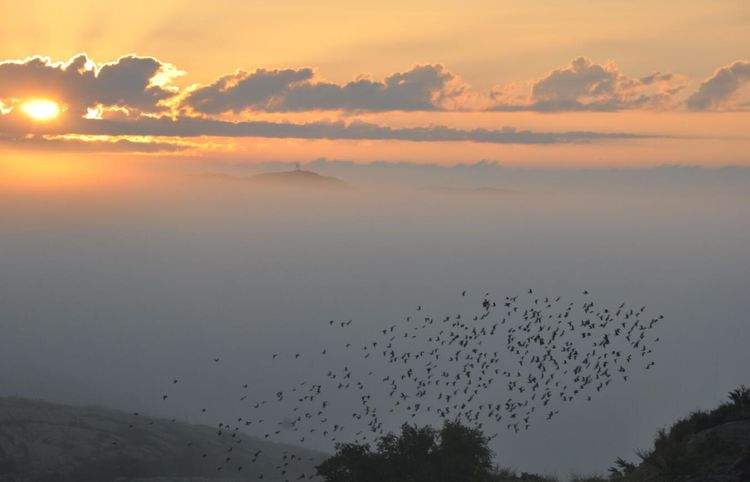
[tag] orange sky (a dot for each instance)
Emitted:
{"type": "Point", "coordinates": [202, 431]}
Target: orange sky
{"type": "Point", "coordinates": [487, 41]}
{"type": "Point", "coordinates": [496, 52]}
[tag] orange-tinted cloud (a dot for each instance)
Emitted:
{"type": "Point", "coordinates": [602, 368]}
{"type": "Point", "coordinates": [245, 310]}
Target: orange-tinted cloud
{"type": "Point", "coordinates": [424, 88]}
{"type": "Point", "coordinates": [138, 100]}
{"type": "Point", "coordinates": [588, 86]}
{"type": "Point", "coordinates": [141, 85]}
{"type": "Point", "coordinates": [196, 126]}
{"type": "Point", "coordinates": [718, 91]}
{"type": "Point", "coordinates": [68, 144]}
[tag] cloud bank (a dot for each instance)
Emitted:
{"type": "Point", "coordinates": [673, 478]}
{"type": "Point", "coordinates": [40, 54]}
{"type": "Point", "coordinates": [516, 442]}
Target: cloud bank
{"type": "Point", "coordinates": [588, 86]}
{"type": "Point", "coordinates": [142, 85]}
{"type": "Point", "coordinates": [198, 127]}
{"type": "Point", "coordinates": [718, 91]}
{"type": "Point", "coordinates": [67, 144]}
{"type": "Point", "coordinates": [423, 88]}
{"type": "Point", "coordinates": [133, 96]}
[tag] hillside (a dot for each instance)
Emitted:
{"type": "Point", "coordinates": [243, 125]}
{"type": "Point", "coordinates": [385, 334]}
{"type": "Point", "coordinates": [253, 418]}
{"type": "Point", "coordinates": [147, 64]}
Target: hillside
{"type": "Point", "coordinates": [46, 442]}
{"type": "Point", "coordinates": [706, 446]}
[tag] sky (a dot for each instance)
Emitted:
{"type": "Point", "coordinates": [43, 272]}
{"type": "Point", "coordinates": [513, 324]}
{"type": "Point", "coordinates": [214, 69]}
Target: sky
{"type": "Point", "coordinates": [487, 146]}
{"type": "Point", "coordinates": [554, 84]}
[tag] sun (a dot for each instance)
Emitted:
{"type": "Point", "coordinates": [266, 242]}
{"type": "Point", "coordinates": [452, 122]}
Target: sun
{"type": "Point", "coordinates": [41, 109]}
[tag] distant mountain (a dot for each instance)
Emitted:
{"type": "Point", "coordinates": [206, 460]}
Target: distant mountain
{"type": "Point", "coordinates": [298, 178]}
{"type": "Point", "coordinates": [47, 442]}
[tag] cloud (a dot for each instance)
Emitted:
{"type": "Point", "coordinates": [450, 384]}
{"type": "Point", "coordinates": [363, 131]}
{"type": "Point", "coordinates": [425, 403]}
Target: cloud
{"type": "Point", "coordinates": [137, 85]}
{"type": "Point", "coordinates": [195, 127]}
{"type": "Point", "coordinates": [587, 86]}
{"type": "Point", "coordinates": [241, 91]}
{"type": "Point", "coordinates": [718, 91]}
{"type": "Point", "coordinates": [424, 88]}
{"type": "Point", "coordinates": [67, 144]}
{"type": "Point", "coordinates": [131, 82]}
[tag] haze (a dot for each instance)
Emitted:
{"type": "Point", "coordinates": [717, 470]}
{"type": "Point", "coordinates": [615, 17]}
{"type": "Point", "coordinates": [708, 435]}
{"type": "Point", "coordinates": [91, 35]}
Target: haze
{"type": "Point", "coordinates": [107, 294]}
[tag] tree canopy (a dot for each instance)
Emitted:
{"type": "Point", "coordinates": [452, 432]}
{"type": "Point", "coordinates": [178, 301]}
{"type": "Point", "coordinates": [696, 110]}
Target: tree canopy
{"type": "Point", "coordinates": [455, 453]}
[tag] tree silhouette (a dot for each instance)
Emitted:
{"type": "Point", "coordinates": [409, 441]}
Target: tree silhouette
{"type": "Point", "coordinates": [740, 396]}
{"type": "Point", "coordinates": [456, 453]}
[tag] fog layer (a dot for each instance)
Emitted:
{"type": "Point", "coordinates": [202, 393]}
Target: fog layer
{"type": "Point", "coordinates": [106, 295]}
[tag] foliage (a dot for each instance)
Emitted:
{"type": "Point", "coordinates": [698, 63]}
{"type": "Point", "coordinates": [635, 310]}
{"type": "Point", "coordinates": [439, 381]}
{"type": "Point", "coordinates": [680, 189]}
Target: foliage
{"type": "Point", "coordinates": [456, 453]}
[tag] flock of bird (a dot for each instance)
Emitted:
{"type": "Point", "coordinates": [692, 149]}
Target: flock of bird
{"type": "Point", "coordinates": [507, 363]}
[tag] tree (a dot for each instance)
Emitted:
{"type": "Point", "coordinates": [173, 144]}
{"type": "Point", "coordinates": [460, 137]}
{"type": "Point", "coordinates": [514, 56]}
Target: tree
{"type": "Point", "coordinates": [419, 454]}
{"type": "Point", "coordinates": [352, 462]}
{"type": "Point", "coordinates": [740, 396]}
{"type": "Point", "coordinates": [463, 453]}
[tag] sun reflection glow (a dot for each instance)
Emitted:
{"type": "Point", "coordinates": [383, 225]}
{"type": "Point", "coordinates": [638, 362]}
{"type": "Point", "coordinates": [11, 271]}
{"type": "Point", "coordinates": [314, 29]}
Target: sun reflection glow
{"type": "Point", "coordinates": [41, 109]}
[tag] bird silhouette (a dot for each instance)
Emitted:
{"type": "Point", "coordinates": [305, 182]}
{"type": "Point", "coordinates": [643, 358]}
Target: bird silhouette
{"type": "Point", "coordinates": [507, 363]}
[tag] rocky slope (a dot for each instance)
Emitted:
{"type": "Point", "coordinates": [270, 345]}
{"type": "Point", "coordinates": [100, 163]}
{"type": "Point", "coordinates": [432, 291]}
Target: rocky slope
{"type": "Point", "coordinates": [706, 446]}
{"type": "Point", "coordinates": [717, 454]}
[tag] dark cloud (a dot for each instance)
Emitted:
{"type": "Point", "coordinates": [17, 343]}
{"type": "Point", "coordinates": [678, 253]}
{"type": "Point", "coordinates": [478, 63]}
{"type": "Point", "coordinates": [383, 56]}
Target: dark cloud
{"type": "Point", "coordinates": [65, 144]}
{"type": "Point", "coordinates": [587, 86]}
{"type": "Point", "coordinates": [241, 91]}
{"type": "Point", "coordinates": [195, 127]}
{"type": "Point", "coordinates": [656, 77]}
{"type": "Point", "coordinates": [128, 82]}
{"type": "Point", "coordinates": [425, 87]}
{"type": "Point", "coordinates": [717, 91]}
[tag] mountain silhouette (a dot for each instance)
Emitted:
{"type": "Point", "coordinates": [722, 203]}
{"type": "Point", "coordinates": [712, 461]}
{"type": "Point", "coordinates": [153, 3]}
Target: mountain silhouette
{"type": "Point", "coordinates": [298, 178]}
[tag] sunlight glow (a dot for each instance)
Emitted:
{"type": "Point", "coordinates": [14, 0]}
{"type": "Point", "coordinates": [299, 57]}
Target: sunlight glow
{"type": "Point", "coordinates": [56, 172]}
{"type": "Point", "coordinates": [94, 112]}
{"type": "Point", "coordinates": [41, 109]}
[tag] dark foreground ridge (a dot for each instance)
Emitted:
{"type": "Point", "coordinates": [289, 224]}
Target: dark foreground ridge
{"type": "Point", "coordinates": [706, 446]}
{"type": "Point", "coordinates": [47, 442]}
